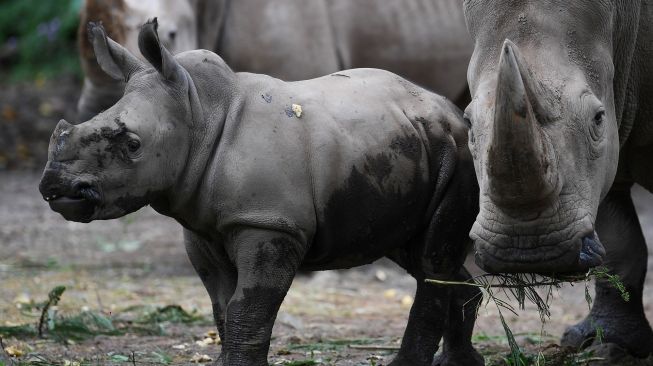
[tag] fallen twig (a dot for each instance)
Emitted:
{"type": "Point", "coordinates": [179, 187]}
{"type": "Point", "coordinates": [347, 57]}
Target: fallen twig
{"type": "Point", "coordinates": [500, 285]}
{"type": "Point", "coordinates": [372, 347]}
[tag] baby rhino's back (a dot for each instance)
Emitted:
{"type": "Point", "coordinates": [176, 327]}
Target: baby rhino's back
{"type": "Point", "coordinates": [379, 146]}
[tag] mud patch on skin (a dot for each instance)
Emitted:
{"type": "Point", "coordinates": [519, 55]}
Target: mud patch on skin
{"type": "Point", "coordinates": [363, 219]}
{"type": "Point", "coordinates": [379, 167]}
{"type": "Point", "coordinates": [277, 254]}
{"type": "Point", "coordinates": [409, 146]}
{"type": "Point", "coordinates": [116, 142]}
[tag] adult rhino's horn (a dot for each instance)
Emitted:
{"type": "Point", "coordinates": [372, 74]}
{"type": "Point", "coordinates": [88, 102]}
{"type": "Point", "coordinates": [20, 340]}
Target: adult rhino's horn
{"type": "Point", "coordinates": [519, 160]}
{"type": "Point", "coordinates": [154, 52]}
{"type": "Point", "coordinates": [113, 58]}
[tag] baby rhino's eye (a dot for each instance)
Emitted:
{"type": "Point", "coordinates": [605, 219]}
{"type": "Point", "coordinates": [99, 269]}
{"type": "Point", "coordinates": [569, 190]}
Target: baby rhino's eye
{"type": "Point", "coordinates": [133, 145]}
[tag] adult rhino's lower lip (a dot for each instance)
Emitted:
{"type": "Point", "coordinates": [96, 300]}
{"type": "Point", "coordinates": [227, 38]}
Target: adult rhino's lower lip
{"type": "Point", "coordinates": [591, 252]}
{"type": "Point", "coordinates": [73, 208]}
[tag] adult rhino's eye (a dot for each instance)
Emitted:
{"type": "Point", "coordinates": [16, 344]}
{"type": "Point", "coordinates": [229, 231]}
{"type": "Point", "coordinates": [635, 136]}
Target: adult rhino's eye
{"type": "Point", "coordinates": [598, 117]}
{"type": "Point", "coordinates": [133, 145]}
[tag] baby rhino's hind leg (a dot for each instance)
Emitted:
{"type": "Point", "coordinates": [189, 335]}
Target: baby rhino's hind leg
{"type": "Point", "coordinates": [438, 309]}
{"type": "Point", "coordinates": [457, 346]}
{"type": "Point", "coordinates": [425, 325]}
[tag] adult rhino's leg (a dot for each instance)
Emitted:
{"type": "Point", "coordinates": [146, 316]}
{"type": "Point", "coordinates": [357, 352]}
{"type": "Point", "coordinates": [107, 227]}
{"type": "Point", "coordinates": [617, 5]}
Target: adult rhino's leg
{"type": "Point", "coordinates": [457, 349]}
{"type": "Point", "coordinates": [96, 97]}
{"type": "Point", "coordinates": [266, 262]}
{"type": "Point", "coordinates": [216, 272]}
{"type": "Point", "coordinates": [623, 323]}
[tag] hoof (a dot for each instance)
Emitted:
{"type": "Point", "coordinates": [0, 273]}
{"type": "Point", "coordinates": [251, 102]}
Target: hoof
{"type": "Point", "coordinates": [610, 354]}
{"type": "Point", "coordinates": [459, 358]}
{"type": "Point", "coordinates": [632, 335]}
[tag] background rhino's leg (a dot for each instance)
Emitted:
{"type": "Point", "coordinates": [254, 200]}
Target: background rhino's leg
{"type": "Point", "coordinates": [100, 91]}
{"type": "Point", "coordinates": [266, 262]}
{"type": "Point", "coordinates": [457, 347]}
{"type": "Point", "coordinates": [623, 323]}
{"type": "Point", "coordinates": [218, 274]}
{"type": "Point", "coordinates": [95, 99]}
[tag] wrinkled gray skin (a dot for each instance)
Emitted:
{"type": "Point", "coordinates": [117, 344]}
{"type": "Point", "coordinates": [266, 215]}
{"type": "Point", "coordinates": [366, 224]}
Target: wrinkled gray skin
{"type": "Point", "coordinates": [373, 167]}
{"type": "Point", "coordinates": [424, 41]}
{"type": "Point", "coordinates": [561, 129]}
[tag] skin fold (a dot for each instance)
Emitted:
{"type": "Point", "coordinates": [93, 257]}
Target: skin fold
{"type": "Point", "coordinates": [560, 131]}
{"type": "Point", "coordinates": [268, 177]}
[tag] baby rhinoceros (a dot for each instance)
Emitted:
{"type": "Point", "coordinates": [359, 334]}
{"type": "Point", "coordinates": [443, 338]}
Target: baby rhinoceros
{"type": "Point", "coordinates": [268, 177]}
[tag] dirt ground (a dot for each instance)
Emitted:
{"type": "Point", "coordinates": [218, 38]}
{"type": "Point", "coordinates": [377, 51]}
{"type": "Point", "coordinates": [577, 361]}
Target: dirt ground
{"type": "Point", "coordinates": [352, 317]}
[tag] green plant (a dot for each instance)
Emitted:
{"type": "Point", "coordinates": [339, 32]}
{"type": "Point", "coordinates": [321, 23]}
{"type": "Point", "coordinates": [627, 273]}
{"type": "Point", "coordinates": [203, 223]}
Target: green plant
{"type": "Point", "coordinates": [37, 38]}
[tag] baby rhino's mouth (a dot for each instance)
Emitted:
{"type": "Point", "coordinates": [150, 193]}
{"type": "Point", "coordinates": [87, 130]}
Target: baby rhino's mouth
{"type": "Point", "coordinates": [77, 205]}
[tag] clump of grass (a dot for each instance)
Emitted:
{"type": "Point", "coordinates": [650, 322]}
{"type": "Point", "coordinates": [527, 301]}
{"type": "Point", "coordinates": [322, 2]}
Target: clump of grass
{"type": "Point", "coordinates": [167, 314]}
{"type": "Point", "coordinates": [88, 324]}
{"type": "Point", "coordinates": [523, 287]}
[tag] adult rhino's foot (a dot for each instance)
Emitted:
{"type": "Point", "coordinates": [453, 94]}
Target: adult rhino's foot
{"type": "Point", "coordinates": [468, 357]}
{"type": "Point", "coordinates": [632, 334]}
{"type": "Point", "coordinates": [623, 325]}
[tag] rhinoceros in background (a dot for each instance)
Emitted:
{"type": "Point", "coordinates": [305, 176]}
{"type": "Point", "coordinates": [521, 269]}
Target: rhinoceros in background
{"type": "Point", "coordinates": [423, 40]}
{"type": "Point", "coordinates": [269, 176]}
{"type": "Point", "coordinates": [560, 130]}
{"type": "Point", "coordinates": [122, 19]}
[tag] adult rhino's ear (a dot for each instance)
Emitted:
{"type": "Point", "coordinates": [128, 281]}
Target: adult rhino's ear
{"type": "Point", "coordinates": [156, 54]}
{"type": "Point", "coordinates": [113, 58]}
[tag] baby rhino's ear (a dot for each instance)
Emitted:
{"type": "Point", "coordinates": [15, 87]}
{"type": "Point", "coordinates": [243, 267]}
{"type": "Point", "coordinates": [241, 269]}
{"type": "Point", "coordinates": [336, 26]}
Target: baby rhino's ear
{"type": "Point", "coordinates": [113, 58]}
{"type": "Point", "coordinates": [157, 54]}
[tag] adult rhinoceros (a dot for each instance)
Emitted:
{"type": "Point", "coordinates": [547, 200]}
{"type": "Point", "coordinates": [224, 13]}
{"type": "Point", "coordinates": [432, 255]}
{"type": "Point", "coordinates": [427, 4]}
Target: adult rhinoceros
{"type": "Point", "coordinates": [422, 40]}
{"type": "Point", "coordinates": [561, 129]}
{"type": "Point", "coordinates": [269, 176]}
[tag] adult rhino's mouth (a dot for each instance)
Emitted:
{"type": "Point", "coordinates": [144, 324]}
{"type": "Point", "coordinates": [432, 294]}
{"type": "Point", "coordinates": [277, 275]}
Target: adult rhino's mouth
{"type": "Point", "coordinates": [75, 204]}
{"type": "Point", "coordinates": [540, 246]}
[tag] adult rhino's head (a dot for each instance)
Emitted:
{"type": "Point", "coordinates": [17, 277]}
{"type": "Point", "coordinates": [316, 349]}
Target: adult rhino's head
{"type": "Point", "coordinates": [133, 153]}
{"type": "Point", "coordinates": [544, 133]}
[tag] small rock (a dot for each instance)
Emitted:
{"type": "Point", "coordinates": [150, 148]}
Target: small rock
{"type": "Point", "coordinates": [407, 301]}
{"type": "Point", "coordinates": [206, 342]}
{"type": "Point", "coordinates": [381, 275]}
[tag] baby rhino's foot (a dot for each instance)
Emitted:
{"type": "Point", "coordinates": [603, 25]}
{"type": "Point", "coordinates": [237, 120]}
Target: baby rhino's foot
{"type": "Point", "coordinates": [468, 357]}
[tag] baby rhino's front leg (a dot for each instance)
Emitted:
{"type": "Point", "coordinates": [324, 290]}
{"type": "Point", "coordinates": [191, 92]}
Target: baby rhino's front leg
{"type": "Point", "coordinates": [266, 263]}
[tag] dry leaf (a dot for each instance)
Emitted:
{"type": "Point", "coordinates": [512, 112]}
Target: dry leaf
{"type": "Point", "coordinates": [14, 351]}
{"type": "Point", "coordinates": [297, 109]}
{"type": "Point", "coordinates": [197, 358]}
